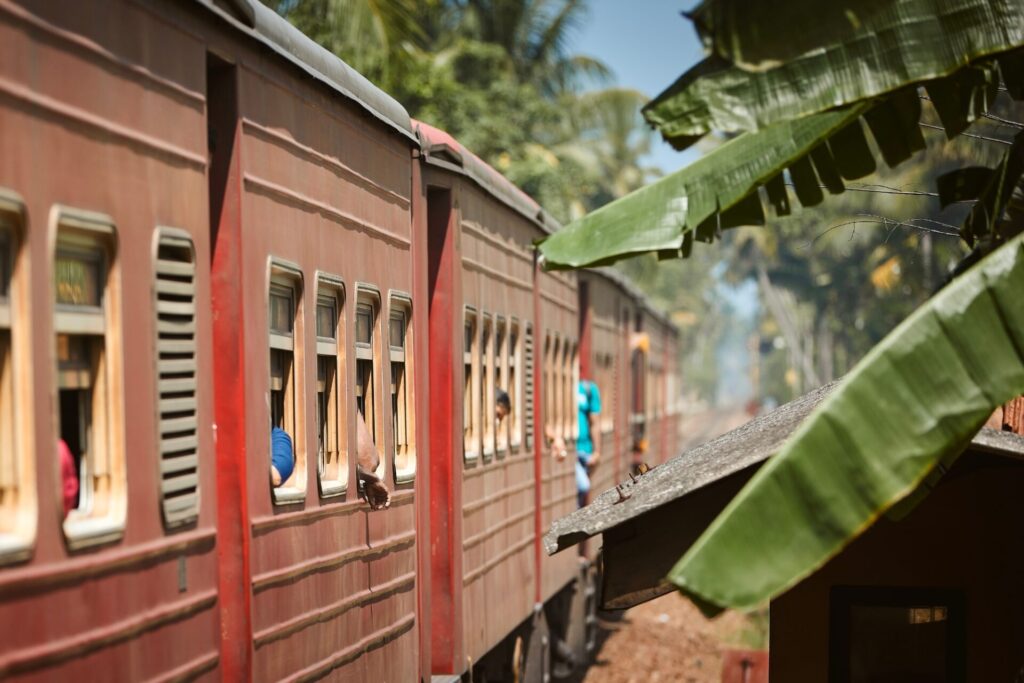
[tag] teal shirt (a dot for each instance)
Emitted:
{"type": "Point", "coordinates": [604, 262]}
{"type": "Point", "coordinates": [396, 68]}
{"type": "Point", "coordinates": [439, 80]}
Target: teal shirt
{"type": "Point", "coordinates": [589, 404]}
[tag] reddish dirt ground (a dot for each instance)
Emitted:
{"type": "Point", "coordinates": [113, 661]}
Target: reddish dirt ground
{"type": "Point", "coordinates": [668, 639]}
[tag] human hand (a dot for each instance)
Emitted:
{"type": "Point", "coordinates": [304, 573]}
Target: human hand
{"type": "Point", "coordinates": [595, 458]}
{"type": "Point", "coordinates": [377, 494]}
{"type": "Point", "coordinates": [558, 448]}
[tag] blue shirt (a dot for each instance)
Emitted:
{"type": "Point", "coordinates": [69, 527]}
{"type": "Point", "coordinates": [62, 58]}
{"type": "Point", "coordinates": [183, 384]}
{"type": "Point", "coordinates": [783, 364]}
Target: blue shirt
{"type": "Point", "coordinates": [589, 404]}
{"type": "Point", "coordinates": [281, 453]}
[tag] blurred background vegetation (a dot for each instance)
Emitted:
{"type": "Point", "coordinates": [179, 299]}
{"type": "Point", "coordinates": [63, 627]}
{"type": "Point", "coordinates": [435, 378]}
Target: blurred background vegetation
{"type": "Point", "coordinates": [823, 286]}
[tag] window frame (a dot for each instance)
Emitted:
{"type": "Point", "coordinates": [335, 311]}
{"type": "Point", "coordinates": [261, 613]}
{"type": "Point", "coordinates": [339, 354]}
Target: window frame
{"type": "Point", "coordinates": [285, 275]}
{"type": "Point", "coordinates": [548, 389]}
{"type": "Point", "coordinates": [180, 516]}
{"type": "Point", "coordinates": [501, 370]}
{"type": "Point", "coordinates": [18, 522]}
{"type": "Point", "coordinates": [332, 288]}
{"type": "Point", "coordinates": [88, 231]}
{"type": "Point", "coordinates": [368, 295]}
{"type": "Point", "coordinates": [471, 438]}
{"type": "Point", "coordinates": [529, 386]}
{"type": "Point", "coordinates": [609, 392]}
{"type": "Point", "coordinates": [570, 392]}
{"type": "Point", "coordinates": [555, 364]}
{"type": "Point", "coordinates": [401, 302]}
{"type": "Point", "coordinates": [486, 386]}
{"type": "Point", "coordinates": [515, 370]}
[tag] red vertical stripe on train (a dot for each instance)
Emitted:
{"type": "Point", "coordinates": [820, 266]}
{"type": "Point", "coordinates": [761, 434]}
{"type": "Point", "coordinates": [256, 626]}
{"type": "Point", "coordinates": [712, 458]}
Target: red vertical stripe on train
{"type": "Point", "coordinates": [445, 499]}
{"type": "Point", "coordinates": [225, 192]}
{"type": "Point", "coordinates": [420, 254]}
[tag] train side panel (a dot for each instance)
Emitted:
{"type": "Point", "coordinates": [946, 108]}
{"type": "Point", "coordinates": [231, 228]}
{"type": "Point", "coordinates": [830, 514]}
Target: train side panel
{"type": "Point", "coordinates": [557, 348]}
{"type": "Point", "coordinates": [326, 195]}
{"type": "Point", "coordinates": [100, 132]}
{"type": "Point", "coordinates": [498, 515]}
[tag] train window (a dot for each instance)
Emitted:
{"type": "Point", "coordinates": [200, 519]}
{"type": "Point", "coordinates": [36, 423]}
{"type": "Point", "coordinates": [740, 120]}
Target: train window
{"type": "Point", "coordinates": [285, 296]}
{"type": "Point", "coordinates": [501, 382]}
{"type": "Point", "coordinates": [548, 390]}
{"type": "Point", "coordinates": [486, 384]}
{"type": "Point", "coordinates": [367, 402]}
{"type": "Point", "coordinates": [553, 398]}
{"type": "Point", "coordinates": [573, 392]}
{"type": "Point", "coordinates": [177, 426]}
{"type": "Point", "coordinates": [639, 344]}
{"type": "Point", "coordinates": [470, 379]}
{"type": "Point", "coordinates": [9, 465]}
{"type": "Point", "coordinates": [527, 384]}
{"type": "Point", "coordinates": [514, 387]}
{"type": "Point", "coordinates": [88, 376]}
{"type": "Point", "coordinates": [609, 391]}
{"type": "Point", "coordinates": [17, 461]}
{"type": "Point", "coordinates": [567, 392]}
{"type": "Point", "coordinates": [332, 444]}
{"type": "Point", "coordinates": [402, 396]}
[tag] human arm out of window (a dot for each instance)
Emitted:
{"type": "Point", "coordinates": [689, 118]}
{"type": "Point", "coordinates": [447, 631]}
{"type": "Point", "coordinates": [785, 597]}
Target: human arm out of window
{"type": "Point", "coordinates": [367, 461]}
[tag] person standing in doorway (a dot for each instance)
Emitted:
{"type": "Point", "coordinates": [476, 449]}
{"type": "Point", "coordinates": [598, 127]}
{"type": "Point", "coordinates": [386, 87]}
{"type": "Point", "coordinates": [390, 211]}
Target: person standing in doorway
{"type": "Point", "coordinates": [588, 447]}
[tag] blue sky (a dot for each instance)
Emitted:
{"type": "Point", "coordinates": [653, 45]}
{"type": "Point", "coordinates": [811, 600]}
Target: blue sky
{"type": "Point", "coordinates": [647, 43]}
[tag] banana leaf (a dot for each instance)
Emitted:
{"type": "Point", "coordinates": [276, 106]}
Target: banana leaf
{"type": "Point", "coordinates": [717, 190]}
{"type": "Point", "coordinates": [775, 61]}
{"type": "Point", "coordinates": [911, 405]}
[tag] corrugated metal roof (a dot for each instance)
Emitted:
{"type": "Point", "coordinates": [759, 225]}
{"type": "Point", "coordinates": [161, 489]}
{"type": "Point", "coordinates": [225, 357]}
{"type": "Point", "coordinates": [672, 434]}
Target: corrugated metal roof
{"type": "Point", "coordinates": [264, 25]}
{"type": "Point", "coordinates": [704, 465]}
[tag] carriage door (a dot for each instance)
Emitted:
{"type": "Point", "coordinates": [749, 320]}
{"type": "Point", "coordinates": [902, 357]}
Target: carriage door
{"type": "Point", "coordinates": [445, 329]}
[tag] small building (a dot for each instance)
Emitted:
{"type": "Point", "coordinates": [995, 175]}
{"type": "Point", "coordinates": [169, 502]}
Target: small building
{"type": "Point", "coordinates": [930, 592]}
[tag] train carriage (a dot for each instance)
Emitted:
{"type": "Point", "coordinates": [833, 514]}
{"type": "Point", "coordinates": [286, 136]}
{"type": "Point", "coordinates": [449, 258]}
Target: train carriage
{"type": "Point", "coordinates": [105, 339]}
{"type": "Point", "coordinates": [211, 227]}
{"type": "Point", "coordinates": [481, 334]}
{"type": "Point", "coordinates": [315, 299]}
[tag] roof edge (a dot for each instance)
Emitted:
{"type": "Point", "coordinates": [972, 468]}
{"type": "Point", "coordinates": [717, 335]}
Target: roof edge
{"type": "Point", "coordinates": [262, 24]}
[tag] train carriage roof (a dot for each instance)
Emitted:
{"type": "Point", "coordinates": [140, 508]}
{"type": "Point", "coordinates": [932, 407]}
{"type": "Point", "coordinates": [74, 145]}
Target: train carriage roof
{"type": "Point", "coordinates": [264, 25]}
{"type": "Point", "coordinates": [630, 288]}
{"type": "Point", "coordinates": [443, 150]}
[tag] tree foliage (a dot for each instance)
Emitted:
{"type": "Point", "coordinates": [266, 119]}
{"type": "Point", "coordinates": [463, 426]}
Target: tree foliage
{"type": "Point", "coordinates": [501, 77]}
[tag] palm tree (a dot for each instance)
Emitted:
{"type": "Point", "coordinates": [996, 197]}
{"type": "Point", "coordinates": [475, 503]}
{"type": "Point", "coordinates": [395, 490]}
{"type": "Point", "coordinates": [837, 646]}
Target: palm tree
{"type": "Point", "coordinates": [381, 39]}
{"type": "Point", "coordinates": [605, 133]}
{"type": "Point", "coordinates": [535, 34]}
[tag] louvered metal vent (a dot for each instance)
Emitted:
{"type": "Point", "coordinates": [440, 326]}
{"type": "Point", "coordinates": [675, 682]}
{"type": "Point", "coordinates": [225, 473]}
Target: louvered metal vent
{"type": "Point", "coordinates": [176, 368]}
{"type": "Point", "coordinates": [528, 384]}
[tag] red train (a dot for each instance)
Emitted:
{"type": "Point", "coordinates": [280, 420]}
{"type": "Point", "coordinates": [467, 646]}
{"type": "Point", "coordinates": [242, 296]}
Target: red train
{"type": "Point", "coordinates": [208, 226]}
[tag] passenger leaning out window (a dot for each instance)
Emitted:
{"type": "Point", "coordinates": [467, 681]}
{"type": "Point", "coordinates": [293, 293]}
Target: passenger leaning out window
{"type": "Point", "coordinates": [282, 457]}
{"type": "Point", "coordinates": [502, 406]}
{"type": "Point", "coordinates": [68, 476]}
{"type": "Point", "coordinates": [367, 462]}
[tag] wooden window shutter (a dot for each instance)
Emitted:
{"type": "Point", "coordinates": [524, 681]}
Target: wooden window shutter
{"type": "Point", "coordinates": [176, 371]}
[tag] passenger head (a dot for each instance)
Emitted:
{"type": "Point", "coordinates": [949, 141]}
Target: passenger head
{"type": "Point", "coordinates": [282, 459]}
{"type": "Point", "coordinates": [502, 404]}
